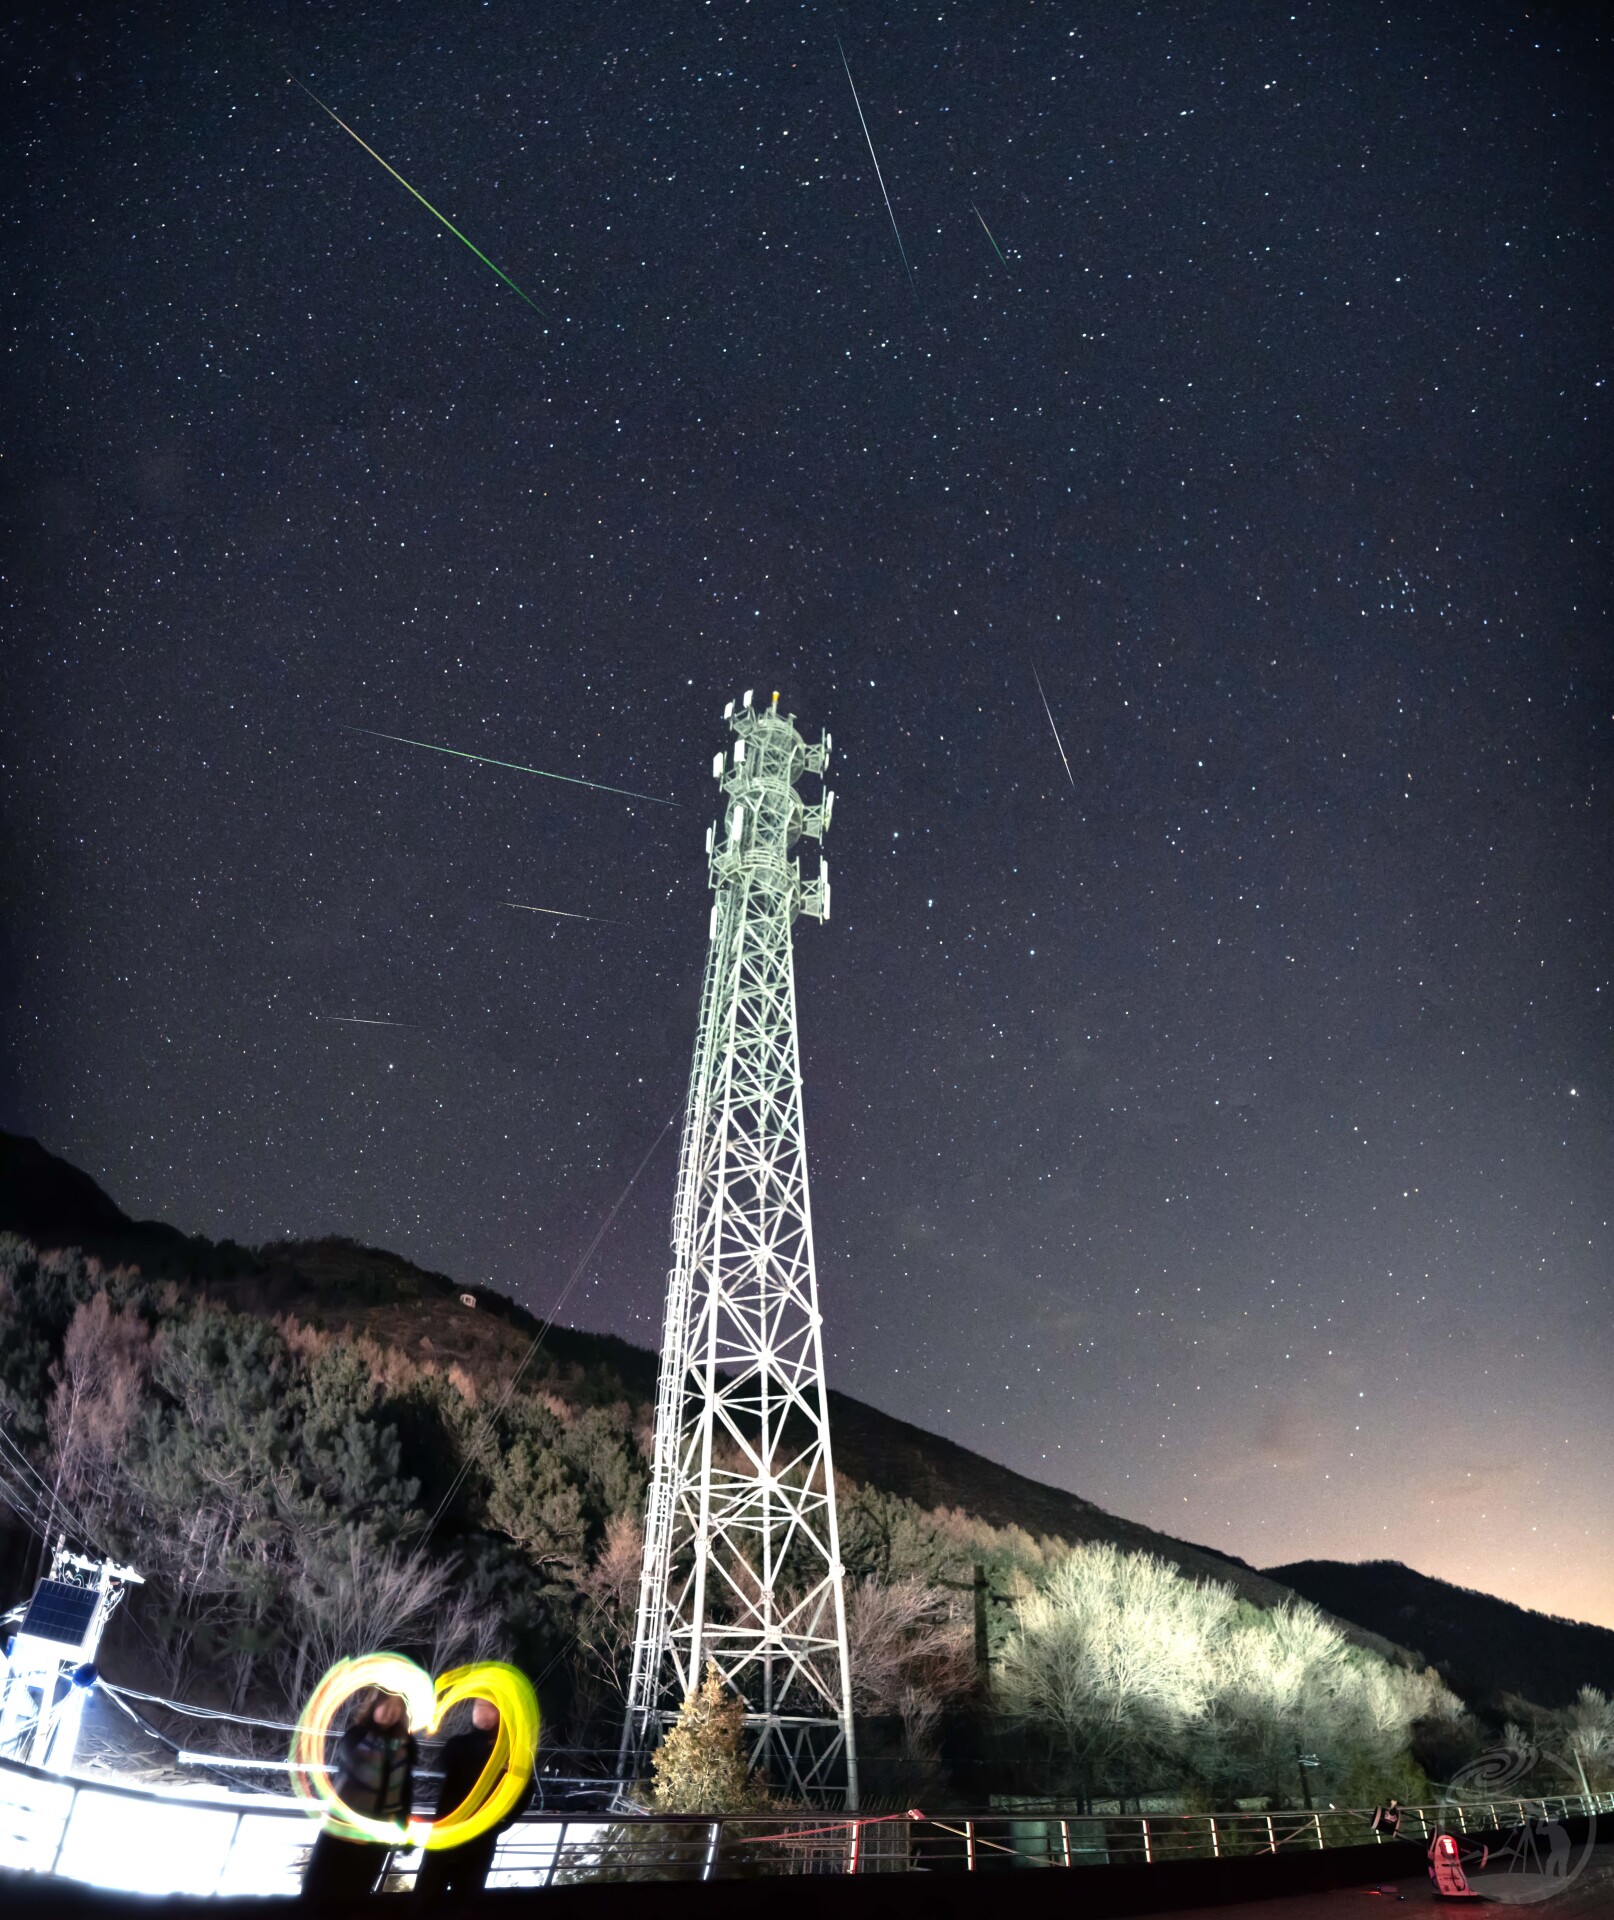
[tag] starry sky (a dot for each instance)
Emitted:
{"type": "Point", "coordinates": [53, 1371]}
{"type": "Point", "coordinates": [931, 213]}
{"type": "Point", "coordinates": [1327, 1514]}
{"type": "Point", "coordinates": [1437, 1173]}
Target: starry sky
{"type": "Point", "coordinates": [1219, 1125]}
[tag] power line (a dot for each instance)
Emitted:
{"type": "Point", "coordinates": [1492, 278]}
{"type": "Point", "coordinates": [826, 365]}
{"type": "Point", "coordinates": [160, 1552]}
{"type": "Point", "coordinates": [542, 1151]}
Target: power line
{"type": "Point", "coordinates": [485, 1426]}
{"type": "Point", "coordinates": [200, 1713]}
{"type": "Point", "coordinates": [43, 1507]}
{"type": "Point", "coordinates": [173, 1746]}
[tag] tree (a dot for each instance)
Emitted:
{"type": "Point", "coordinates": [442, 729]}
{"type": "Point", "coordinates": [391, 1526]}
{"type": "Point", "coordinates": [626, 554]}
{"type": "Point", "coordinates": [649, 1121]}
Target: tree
{"type": "Point", "coordinates": [909, 1657]}
{"type": "Point", "coordinates": [700, 1766]}
{"type": "Point", "coordinates": [99, 1379]}
{"type": "Point", "coordinates": [1109, 1655]}
{"type": "Point", "coordinates": [1587, 1731]}
{"type": "Point", "coordinates": [609, 1589]}
{"type": "Point", "coordinates": [1140, 1675]}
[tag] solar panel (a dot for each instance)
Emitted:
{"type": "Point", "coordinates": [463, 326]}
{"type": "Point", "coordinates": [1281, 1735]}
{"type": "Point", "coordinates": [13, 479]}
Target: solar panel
{"type": "Point", "coordinates": [60, 1613]}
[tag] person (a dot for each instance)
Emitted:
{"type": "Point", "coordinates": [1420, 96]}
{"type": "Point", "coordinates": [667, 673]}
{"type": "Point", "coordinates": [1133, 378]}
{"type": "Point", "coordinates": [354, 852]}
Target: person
{"type": "Point", "coordinates": [1387, 1819]}
{"type": "Point", "coordinates": [375, 1776]}
{"type": "Point", "coordinates": [464, 1868]}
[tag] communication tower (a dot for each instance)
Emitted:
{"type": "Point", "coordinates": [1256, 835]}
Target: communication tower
{"type": "Point", "coordinates": [742, 1558]}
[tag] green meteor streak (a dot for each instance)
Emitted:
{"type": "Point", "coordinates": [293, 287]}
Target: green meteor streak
{"type": "Point", "coordinates": [419, 196]}
{"type": "Point", "coordinates": [485, 760]}
{"type": "Point", "coordinates": [988, 232]}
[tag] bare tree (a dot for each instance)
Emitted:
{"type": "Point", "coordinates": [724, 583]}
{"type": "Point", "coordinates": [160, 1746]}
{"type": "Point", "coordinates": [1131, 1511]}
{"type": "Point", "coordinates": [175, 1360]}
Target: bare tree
{"type": "Point", "coordinates": [106, 1356]}
{"type": "Point", "coordinates": [609, 1590]}
{"type": "Point", "coordinates": [1109, 1653]}
{"type": "Point", "coordinates": [1587, 1728]}
{"type": "Point", "coordinates": [910, 1657]}
{"type": "Point", "coordinates": [364, 1598]}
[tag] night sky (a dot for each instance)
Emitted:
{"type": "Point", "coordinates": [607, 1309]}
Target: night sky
{"type": "Point", "coordinates": [1222, 1130]}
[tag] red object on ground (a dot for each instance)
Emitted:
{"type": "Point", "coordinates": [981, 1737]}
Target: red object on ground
{"type": "Point", "coordinates": [1446, 1870]}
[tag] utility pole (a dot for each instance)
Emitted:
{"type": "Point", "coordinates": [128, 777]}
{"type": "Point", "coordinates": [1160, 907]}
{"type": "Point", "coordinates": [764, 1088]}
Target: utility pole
{"type": "Point", "coordinates": [981, 1588]}
{"type": "Point", "coordinates": [742, 1558]}
{"type": "Point", "coordinates": [51, 1669]}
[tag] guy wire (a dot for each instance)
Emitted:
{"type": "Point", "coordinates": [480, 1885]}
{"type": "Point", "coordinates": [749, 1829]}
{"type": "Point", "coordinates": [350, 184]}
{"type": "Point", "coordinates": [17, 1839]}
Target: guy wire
{"type": "Point", "coordinates": [485, 1425]}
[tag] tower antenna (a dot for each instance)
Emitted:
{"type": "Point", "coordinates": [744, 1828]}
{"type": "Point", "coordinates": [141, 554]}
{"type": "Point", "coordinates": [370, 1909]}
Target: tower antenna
{"type": "Point", "coordinates": [742, 1558]}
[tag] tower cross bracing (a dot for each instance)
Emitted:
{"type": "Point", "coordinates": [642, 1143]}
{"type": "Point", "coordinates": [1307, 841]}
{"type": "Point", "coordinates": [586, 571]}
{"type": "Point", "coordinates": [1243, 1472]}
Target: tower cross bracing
{"type": "Point", "coordinates": [742, 1563]}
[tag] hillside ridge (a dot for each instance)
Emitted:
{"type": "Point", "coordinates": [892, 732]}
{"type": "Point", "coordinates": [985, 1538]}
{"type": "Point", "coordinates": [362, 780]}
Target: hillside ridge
{"type": "Point", "coordinates": [339, 1283]}
{"type": "Point", "coordinates": [1485, 1648]}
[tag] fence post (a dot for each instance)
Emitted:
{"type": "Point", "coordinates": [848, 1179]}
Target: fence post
{"type": "Point", "coordinates": [61, 1838]}
{"type": "Point", "coordinates": [1148, 1857]}
{"type": "Point", "coordinates": [1064, 1839]}
{"type": "Point", "coordinates": [1317, 1822]}
{"type": "Point", "coordinates": [1272, 1838]}
{"type": "Point", "coordinates": [1216, 1845]}
{"type": "Point", "coordinates": [711, 1849]}
{"type": "Point", "coordinates": [554, 1858]}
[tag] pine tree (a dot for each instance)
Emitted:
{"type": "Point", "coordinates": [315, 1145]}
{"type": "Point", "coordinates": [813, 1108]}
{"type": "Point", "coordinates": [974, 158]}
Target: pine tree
{"type": "Point", "coordinates": [700, 1766]}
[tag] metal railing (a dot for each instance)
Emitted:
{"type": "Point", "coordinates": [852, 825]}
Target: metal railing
{"type": "Point", "coordinates": [222, 1842]}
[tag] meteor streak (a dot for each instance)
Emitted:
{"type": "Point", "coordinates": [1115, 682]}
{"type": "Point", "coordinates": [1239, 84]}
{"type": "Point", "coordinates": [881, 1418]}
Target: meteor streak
{"type": "Point", "coordinates": [987, 231]}
{"type": "Point", "coordinates": [561, 914]}
{"type": "Point", "coordinates": [485, 760]}
{"type": "Point", "coordinates": [878, 174]}
{"type": "Point", "coordinates": [356, 1020]}
{"type": "Point", "coordinates": [1050, 713]}
{"type": "Point", "coordinates": [419, 196]}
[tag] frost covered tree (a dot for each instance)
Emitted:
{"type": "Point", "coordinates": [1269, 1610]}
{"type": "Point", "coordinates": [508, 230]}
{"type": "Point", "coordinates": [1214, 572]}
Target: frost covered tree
{"type": "Point", "coordinates": [1142, 1678]}
{"type": "Point", "coordinates": [1109, 1654]}
{"type": "Point", "coordinates": [1587, 1731]}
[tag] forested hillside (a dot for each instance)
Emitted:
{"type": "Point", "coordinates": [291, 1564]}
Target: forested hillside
{"type": "Point", "coordinates": [311, 1450]}
{"type": "Point", "coordinates": [1488, 1649]}
{"type": "Point", "coordinates": [337, 1285]}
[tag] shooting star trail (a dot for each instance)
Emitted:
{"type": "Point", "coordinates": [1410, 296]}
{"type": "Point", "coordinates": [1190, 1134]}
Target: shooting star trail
{"type": "Point", "coordinates": [561, 914]}
{"type": "Point", "coordinates": [356, 1020]}
{"type": "Point", "coordinates": [879, 175]}
{"type": "Point", "coordinates": [419, 196]}
{"type": "Point", "coordinates": [987, 231]}
{"type": "Point", "coordinates": [571, 779]}
{"type": "Point", "coordinates": [1057, 741]}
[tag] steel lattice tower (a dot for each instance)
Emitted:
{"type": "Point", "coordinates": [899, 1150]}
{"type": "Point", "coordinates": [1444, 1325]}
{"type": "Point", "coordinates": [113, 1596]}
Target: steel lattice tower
{"type": "Point", "coordinates": [742, 1560]}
